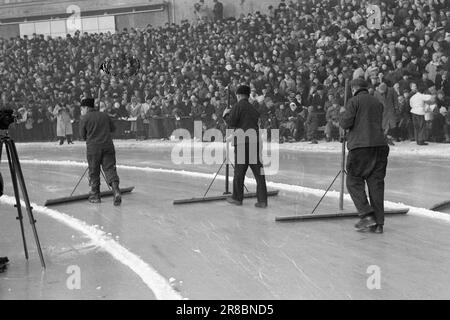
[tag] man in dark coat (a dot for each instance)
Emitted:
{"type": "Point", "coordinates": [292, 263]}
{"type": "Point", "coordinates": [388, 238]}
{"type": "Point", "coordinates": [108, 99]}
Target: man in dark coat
{"type": "Point", "coordinates": [96, 128]}
{"type": "Point", "coordinates": [388, 97]}
{"type": "Point", "coordinates": [243, 118]}
{"type": "Point", "coordinates": [368, 155]}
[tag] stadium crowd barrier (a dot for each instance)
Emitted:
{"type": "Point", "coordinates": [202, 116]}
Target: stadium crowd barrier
{"type": "Point", "coordinates": [157, 128]}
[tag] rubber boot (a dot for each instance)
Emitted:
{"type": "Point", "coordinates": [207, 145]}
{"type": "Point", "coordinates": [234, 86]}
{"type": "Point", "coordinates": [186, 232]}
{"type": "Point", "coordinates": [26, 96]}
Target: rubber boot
{"type": "Point", "coordinates": [94, 195]}
{"type": "Point", "coordinates": [69, 140]}
{"type": "Point", "coordinates": [117, 200]}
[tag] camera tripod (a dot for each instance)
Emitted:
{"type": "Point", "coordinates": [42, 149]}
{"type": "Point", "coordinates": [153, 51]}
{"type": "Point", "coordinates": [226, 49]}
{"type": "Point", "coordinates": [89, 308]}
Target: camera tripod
{"type": "Point", "coordinates": [18, 180]}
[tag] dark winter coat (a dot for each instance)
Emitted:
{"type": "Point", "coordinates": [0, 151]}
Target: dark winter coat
{"type": "Point", "coordinates": [243, 116]}
{"type": "Point", "coordinates": [96, 128]}
{"type": "Point", "coordinates": [363, 117]}
{"type": "Point", "coordinates": [390, 105]}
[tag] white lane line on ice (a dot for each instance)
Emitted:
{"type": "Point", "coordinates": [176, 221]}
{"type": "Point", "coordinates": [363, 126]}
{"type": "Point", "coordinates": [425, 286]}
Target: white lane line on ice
{"type": "Point", "coordinates": [157, 284]}
{"type": "Point", "coordinates": [282, 186]}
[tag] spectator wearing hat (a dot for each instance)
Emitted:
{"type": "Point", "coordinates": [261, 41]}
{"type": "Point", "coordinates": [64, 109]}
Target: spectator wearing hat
{"type": "Point", "coordinates": [281, 119]}
{"type": "Point", "coordinates": [388, 97]}
{"type": "Point", "coordinates": [332, 118]}
{"type": "Point", "coordinates": [41, 123]}
{"type": "Point", "coordinates": [367, 157]}
{"type": "Point", "coordinates": [144, 115]}
{"type": "Point", "coordinates": [425, 82]}
{"type": "Point", "coordinates": [438, 127]}
{"type": "Point", "coordinates": [443, 83]}
{"type": "Point", "coordinates": [318, 98]}
{"type": "Point", "coordinates": [289, 123]}
{"type": "Point", "coordinates": [312, 124]}
{"type": "Point", "coordinates": [268, 115]}
{"type": "Point", "coordinates": [63, 123]}
{"type": "Point", "coordinates": [244, 117]}
{"type": "Point", "coordinates": [405, 130]}
{"type": "Point", "coordinates": [412, 68]}
{"type": "Point", "coordinates": [446, 114]}
{"type": "Point", "coordinates": [432, 67]}
{"type": "Point", "coordinates": [137, 124]}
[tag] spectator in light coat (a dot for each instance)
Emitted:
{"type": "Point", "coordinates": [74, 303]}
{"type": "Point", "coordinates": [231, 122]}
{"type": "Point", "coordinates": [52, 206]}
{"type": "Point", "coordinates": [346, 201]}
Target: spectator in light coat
{"type": "Point", "coordinates": [63, 123]}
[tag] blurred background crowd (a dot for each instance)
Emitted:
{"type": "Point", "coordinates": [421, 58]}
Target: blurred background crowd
{"type": "Point", "coordinates": [295, 58]}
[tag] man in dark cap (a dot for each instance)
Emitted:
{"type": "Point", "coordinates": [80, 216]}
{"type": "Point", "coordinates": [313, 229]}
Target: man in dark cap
{"type": "Point", "coordinates": [368, 155]}
{"type": "Point", "coordinates": [96, 128]}
{"type": "Point", "coordinates": [243, 118]}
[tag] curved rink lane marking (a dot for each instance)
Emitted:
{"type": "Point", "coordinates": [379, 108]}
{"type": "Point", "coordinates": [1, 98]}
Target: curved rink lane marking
{"type": "Point", "coordinates": [423, 212]}
{"type": "Point", "coordinates": [158, 284]}
{"type": "Point", "coordinates": [155, 282]}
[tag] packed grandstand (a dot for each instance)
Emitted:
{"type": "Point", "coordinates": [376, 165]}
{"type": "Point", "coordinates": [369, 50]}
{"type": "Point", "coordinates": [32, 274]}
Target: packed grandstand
{"type": "Point", "coordinates": [296, 58]}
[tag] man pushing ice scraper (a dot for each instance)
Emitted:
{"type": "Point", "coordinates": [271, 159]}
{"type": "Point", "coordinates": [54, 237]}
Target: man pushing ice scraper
{"type": "Point", "coordinates": [96, 129]}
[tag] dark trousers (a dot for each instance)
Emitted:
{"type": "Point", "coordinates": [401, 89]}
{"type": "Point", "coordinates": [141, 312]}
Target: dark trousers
{"type": "Point", "coordinates": [240, 169]}
{"type": "Point", "coordinates": [419, 128]}
{"type": "Point", "coordinates": [368, 165]}
{"type": "Point", "coordinates": [104, 158]}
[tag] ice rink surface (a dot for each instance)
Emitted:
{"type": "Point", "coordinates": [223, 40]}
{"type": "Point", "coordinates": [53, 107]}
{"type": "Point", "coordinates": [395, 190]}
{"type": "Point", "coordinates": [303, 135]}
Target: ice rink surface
{"type": "Point", "coordinates": [148, 248]}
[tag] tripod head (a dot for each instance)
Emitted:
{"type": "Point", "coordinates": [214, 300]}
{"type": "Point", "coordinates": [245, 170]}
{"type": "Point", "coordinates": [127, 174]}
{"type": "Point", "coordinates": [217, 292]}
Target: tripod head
{"type": "Point", "coordinates": [7, 116]}
{"type": "Point", "coordinates": [4, 134]}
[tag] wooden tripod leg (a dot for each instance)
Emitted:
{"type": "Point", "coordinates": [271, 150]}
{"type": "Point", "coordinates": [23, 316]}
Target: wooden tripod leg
{"type": "Point", "coordinates": [26, 199]}
{"type": "Point", "coordinates": [12, 170]}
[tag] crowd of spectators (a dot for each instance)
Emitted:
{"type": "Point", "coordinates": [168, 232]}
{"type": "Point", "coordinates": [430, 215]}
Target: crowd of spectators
{"type": "Point", "coordinates": [296, 59]}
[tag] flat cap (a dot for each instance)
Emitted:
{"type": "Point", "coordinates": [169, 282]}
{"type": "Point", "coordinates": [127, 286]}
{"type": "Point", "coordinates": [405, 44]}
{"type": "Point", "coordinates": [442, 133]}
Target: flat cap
{"type": "Point", "coordinates": [360, 83]}
{"type": "Point", "coordinates": [243, 89]}
{"type": "Point", "coordinates": [88, 102]}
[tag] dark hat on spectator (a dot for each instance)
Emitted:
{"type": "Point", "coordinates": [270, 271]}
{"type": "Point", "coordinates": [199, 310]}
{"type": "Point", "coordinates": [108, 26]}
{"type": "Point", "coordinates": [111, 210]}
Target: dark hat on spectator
{"type": "Point", "coordinates": [244, 89]}
{"type": "Point", "coordinates": [361, 83]}
{"type": "Point", "coordinates": [88, 102]}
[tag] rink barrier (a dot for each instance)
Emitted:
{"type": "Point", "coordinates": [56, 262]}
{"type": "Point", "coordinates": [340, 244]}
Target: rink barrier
{"type": "Point", "coordinates": [153, 128]}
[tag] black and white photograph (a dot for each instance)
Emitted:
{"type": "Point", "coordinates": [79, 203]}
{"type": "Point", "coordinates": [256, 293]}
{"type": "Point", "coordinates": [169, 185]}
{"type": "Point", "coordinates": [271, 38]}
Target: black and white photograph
{"type": "Point", "coordinates": [237, 153]}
